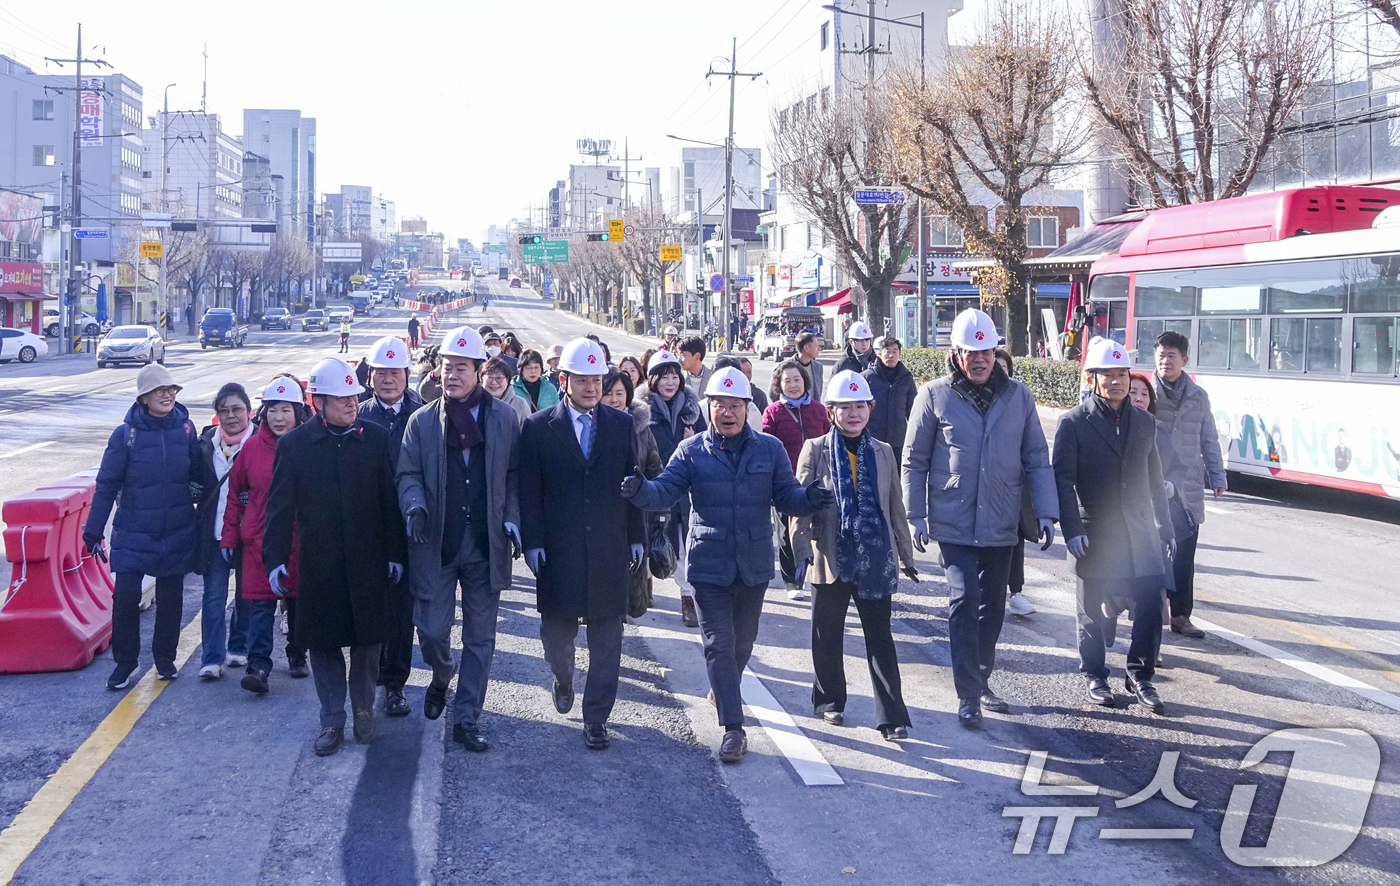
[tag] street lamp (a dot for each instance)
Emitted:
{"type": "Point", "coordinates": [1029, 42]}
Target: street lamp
{"type": "Point", "coordinates": [164, 167]}
{"type": "Point", "coordinates": [923, 235]}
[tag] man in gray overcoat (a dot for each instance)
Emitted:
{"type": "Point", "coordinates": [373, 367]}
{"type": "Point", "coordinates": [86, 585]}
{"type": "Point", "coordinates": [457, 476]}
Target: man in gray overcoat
{"type": "Point", "coordinates": [461, 504]}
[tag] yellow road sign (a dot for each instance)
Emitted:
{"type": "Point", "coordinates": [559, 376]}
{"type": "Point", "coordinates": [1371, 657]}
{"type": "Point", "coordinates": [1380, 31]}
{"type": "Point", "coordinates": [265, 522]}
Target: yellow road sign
{"type": "Point", "coordinates": [615, 232]}
{"type": "Point", "coordinates": [152, 249]}
{"type": "Point", "coordinates": [670, 253]}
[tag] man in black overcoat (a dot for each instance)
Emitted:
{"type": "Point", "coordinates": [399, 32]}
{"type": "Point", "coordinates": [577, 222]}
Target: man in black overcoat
{"type": "Point", "coordinates": [1113, 508]}
{"type": "Point", "coordinates": [581, 537]}
{"type": "Point", "coordinates": [332, 480]}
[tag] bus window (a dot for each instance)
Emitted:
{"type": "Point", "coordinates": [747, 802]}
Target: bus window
{"type": "Point", "coordinates": [1312, 287]}
{"type": "Point", "coordinates": [1228, 343]}
{"type": "Point", "coordinates": [1300, 344]}
{"type": "Point", "coordinates": [1375, 284]}
{"type": "Point", "coordinates": [1146, 338]}
{"type": "Point", "coordinates": [1373, 347]}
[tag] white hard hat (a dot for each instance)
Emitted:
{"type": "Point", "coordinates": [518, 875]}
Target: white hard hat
{"type": "Point", "coordinates": [848, 386]}
{"type": "Point", "coordinates": [859, 330]}
{"type": "Point", "coordinates": [661, 358]}
{"type": "Point", "coordinates": [389, 353]}
{"type": "Point", "coordinates": [462, 342]}
{"type": "Point", "coordinates": [1105, 353]}
{"type": "Point", "coordinates": [728, 382]}
{"type": "Point", "coordinates": [282, 390]}
{"type": "Point", "coordinates": [333, 377]}
{"type": "Point", "coordinates": [974, 331]}
{"type": "Point", "coordinates": [582, 356]}
{"type": "Point", "coordinates": [671, 330]}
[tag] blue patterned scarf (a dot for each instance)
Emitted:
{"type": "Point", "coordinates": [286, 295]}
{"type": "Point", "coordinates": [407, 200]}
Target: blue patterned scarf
{"type": "Point", "coordinates": [864, 555]}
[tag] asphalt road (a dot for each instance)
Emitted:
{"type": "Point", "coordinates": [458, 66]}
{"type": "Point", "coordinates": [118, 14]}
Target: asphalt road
{"type": "Point", "coordinates": [211, 783]}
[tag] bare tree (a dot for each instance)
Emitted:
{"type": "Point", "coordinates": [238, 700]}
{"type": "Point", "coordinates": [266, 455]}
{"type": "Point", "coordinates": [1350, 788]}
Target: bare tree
{"type": "Point", "coordinates": [1387, 12]}
{"type": "Point", "coordinates": [987, 138]}
{"type": "Point", "coordinates": [642, 252]}
{"type": "Point", "coordinates": [235, 267]}
{"type": "Point", "coordinates": [1204, 90]}
{"type": "Point", "coordinates": [824, 152]}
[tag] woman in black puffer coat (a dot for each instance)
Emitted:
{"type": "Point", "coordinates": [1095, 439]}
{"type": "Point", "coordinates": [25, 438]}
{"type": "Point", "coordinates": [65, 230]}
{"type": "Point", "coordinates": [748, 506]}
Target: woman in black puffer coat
{"type": "Point", "coordinates": [675, 415]}
{"type": "Point", "coordinates": [153, 474]}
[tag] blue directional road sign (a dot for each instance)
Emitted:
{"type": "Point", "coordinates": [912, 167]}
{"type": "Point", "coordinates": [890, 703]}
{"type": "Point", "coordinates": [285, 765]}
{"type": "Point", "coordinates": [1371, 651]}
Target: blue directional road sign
{"type": "Point", "coordinates": [743, 280]}
{"type": "Point", "coordinates": [92, 233]}
{"type": "Point", "coordinates": [717, 282]}
{"type": "Point", "coordinates": [867, 196]}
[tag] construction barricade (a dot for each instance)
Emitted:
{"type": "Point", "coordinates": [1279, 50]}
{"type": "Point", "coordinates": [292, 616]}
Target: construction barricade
{"type": "Point", "coordinates": [57, 611]}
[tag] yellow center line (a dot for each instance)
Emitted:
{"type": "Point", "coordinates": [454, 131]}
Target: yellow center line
{"type": "Point", "coordinates": [41, 813]}
{"type": "Point", "coordinates": [1366, 659]}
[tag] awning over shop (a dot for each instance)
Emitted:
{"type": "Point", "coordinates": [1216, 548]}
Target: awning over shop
{"type": "Point", "coordinates": [792, 297]}
{"type": "Point", "coordinates": [837, 303]}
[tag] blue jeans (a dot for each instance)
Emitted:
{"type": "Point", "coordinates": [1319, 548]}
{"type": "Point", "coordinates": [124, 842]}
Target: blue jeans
{"type": "Point", "coordinates": [262, 619]}
{"type": "Point", "coordinates": [219, 638]}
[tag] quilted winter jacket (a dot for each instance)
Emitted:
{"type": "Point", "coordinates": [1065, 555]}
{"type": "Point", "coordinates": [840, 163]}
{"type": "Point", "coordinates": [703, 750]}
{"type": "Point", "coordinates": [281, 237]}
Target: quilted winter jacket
{"type": "Point", "coordinates": [244, 524]}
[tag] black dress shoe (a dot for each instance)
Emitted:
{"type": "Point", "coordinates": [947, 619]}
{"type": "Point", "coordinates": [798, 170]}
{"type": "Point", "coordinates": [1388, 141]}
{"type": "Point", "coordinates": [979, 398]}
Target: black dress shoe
{"type": "Point", "coordinates": [364, 726]}
{"type": "Point", "coordinates": [434, 701]}
{"type": "Point", "coordinates": [297, 668]}
{"type": "Point", "coordinates": [894, 733]}
{"type": "Point", "coordinates": [733, 746]}
{"type": "Point", "coordinates": [835, 718]}
{"type": "Point", "coordinates": [328, 742]}
{"type": "Point", "coordinates": [1099, 693]}
{"type": "Point", "coordinates": [994, 703]}
{"type": "Point", "coordinates": [470, 737]}
{"type": "Point", "coordinates": [395, 705]}
{"type": "Point", "coordinates": [563, 697]}
{"type": "Point", "coordinates": [969, 712]}
{"type": "Point", "coordinates": [595, 735]}
{"type": "Point", "coordinates": [1146, 693]}
{"type": "Point", "coordinates": [255, 680]}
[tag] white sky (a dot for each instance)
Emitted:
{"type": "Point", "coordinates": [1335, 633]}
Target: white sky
{"type": "Point", "coordinates": [462, 112]}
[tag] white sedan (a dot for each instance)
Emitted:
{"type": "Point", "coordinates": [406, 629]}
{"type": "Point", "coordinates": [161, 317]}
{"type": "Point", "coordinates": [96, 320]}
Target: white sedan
{"type": "Point", "coordinates": [17, 344]}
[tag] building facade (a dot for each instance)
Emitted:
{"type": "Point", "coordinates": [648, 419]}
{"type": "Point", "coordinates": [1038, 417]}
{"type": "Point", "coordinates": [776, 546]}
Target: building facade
{"type": "Point", "coordinates": [288, 141]}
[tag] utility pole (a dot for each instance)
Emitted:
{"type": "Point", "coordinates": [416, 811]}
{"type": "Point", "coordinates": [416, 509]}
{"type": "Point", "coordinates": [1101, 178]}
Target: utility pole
{"type": "Point", "coordinates": [732, 74]}
{"type": "Point", "coordinates": [164, 201]}
{"type": "Point", "coordinates": [627, 175]}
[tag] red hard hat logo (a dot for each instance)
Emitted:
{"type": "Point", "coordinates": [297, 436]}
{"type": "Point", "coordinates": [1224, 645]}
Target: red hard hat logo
{"type": "Point", "coordinates": [389, 354]}
{"type": "Point", "coordinates": [1118, 355]}
{"type": "Point", "coordinates": [281, 389]}
{"type": "Point", "coordinates": [854, 387]}
{"type": "Point", "coordinates": [592, 358]}
{"type": "Point", "coordinates": [979, 335]}
{"type": "Point", "coordinates": [349, 380]}
{"type": "Point", "coordinates": [729, 382]}
{"type": "Point", "coordinates": [461, 342]}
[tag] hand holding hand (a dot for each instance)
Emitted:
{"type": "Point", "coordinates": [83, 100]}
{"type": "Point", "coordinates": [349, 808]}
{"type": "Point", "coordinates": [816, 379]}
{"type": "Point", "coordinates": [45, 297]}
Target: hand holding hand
{"type": "Point", "coordinates": [1078, 546]}
{"type": "Point", "coordinates": [1047, 533]}
{"type": "Point", "coordinates": [274, 578]}
{"type": "Point", "coordinates": [395, 573]}
{"type": "Point", "coordinates": [534, 558]}
{"type": "Point", "coordinates": [632, 483]}
{"type": "Point", "coordinates": [513, 533]}
{"type": "Point", "coordinates": [819, 496]}
{"type": "Point", "coordinates": [227, 554]}
{"type": "Point", "coordinates": [416, 526]}
{"type": "Point", "coordinates": [920, 527]}
{"type": "Point", "coordinates": [638, 557]}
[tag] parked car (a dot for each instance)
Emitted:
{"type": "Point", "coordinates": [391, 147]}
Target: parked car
{"type": "Point", "coordinates": [21, 345]}
{"type": "Point", "coordinates": [87, 323]}
{"type": "Point", "coordinates": [220, 328]}
{"type": "Point", "coordinates": [314, 319]}
{"type": "Point", "coordinates": [131, 344]}
{"type": "Point", "coordinates": [276, 318]}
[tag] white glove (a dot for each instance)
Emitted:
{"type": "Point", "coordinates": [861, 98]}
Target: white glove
{"type": "Point", "coordinates": [1078, 546]}
{"type": "Point", "coordinates": [1171, 489]}
{"type": "Point", "coordinates": [1047, 533]}
{"type": "Point", "coordinates": [513, 532]}
{"type": "Point", "coordinates": [638, 557]}
{"type": "Point", "coordinates": [274, 578]}
{"type": "Point", "coordinates": [920, 527]}
{"type": "Point", "coordinates": [1171, 549]}
{"type": "Point", "coordinates": [395, 573]}
{"type": "Point", "coordinates": [534, 558]}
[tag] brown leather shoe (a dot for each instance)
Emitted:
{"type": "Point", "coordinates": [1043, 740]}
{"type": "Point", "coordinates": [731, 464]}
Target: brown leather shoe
{"type": "Point", "coordinates": [689, 617]}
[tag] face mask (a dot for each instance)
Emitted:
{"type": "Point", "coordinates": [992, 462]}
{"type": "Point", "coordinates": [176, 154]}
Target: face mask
{"type": "Point", "coordinates": [493, 351]}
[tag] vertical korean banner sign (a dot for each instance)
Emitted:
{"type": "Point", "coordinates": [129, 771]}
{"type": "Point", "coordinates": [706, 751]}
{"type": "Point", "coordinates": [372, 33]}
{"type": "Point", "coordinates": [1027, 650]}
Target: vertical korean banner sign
{"type": "Point", "coordinates": [90, 110]}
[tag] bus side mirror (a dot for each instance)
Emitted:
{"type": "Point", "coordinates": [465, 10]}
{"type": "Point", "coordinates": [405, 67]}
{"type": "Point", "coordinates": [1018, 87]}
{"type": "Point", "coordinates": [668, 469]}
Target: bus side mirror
{"type": "Point", "coordinates": [1078, 321]}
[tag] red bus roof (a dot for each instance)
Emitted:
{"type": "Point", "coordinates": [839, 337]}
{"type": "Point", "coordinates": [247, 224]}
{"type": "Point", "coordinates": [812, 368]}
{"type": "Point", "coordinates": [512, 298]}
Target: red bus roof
{"type": "Point", "coordinates": [1258, 218]}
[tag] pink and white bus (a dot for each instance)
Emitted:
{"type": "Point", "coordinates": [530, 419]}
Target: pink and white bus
{"type": "Point", "coordinates": [1291, 302]}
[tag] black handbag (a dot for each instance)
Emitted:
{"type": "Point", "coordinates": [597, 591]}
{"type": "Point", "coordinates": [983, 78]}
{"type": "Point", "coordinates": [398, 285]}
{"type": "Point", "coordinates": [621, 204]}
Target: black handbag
{"type": "Point", "coordinates": [662, 557]}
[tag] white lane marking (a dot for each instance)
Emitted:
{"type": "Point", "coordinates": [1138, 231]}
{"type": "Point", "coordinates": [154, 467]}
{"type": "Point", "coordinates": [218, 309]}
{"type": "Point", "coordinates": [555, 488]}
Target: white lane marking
{"type": "Point", "coordinates": [1212, 509]}
{"type": "Point", "coordinates": [1321, 672]}
{"type": "Point", "coordinates": [808, 762]}
{"type": "Point", "coordinates": [54, 388]}
{"type": "Point", "coordinates": [27, 449]}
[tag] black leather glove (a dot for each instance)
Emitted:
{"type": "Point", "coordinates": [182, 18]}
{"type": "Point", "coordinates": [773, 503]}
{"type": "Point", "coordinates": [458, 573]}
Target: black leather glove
{"type": "Point", "coordinates": [196, 491]}
{"type": "Point", "coordinates": [632, 483]}
{"type": "Point", "coordinates": [820, 497]}
{"type": "Point", "coordinates": [418, 526]}
{"type": "Point", "coordinates": [243, 497]}
{"type": "Point", "coordinates": [912, 573]}
{"type": "Point", "coordinates": [94, 546]}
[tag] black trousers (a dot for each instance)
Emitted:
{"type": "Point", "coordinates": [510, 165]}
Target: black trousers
{"type": "Point", "coordinates": [729, 627]}
{"type": "Point", "coordinates": [557, 635]}
{"type": "Point", "coordinates": [1147, 628]}
{"type": "Point", "coordinates": [126, 618]}
{"type": "Point", "coordinates": [1017, 579]}
{"type": "Point", "coordinates": [1183, 597]}
{"type": "Point", "coordinates": [786, 561]}
{"type": "Point", "coordinates": [976, 606]}
{"type": "Point", "coordinates": [396, 661]}
{"type": "Point", "coordinates": [829, 606]}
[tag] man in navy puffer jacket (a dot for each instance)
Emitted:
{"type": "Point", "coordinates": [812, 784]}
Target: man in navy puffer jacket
{"type": "Point", "coordinates": [152, 473]}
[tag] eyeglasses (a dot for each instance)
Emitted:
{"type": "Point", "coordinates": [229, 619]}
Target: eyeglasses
{"type": "Point", "coordinates": [741, 407]}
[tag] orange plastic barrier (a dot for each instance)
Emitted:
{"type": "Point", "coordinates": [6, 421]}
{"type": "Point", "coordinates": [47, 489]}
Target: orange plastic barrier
{"type": "Point", "coordinates": [57, 614]}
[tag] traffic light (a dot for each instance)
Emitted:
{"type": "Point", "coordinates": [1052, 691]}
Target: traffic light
{"type": "Point", "coordinates": [531, 240]}
{"type": "Point", "coordinates": [595, 238]}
